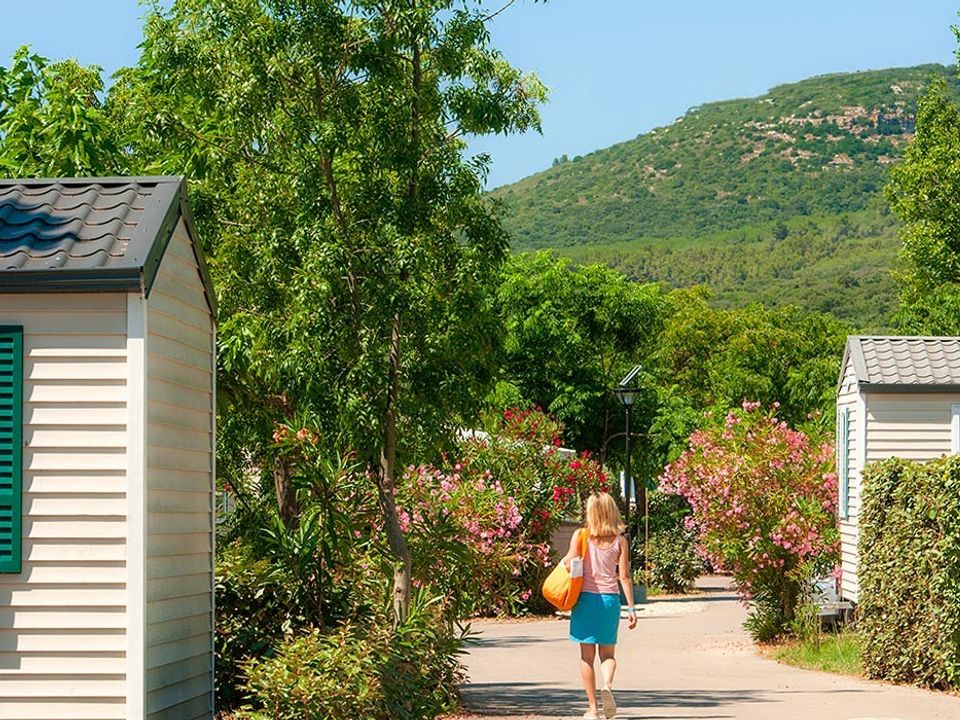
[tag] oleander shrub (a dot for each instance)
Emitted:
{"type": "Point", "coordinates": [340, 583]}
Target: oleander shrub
{"type": "Point", "coordinates": [909, 572]}
{"type": "Point", "coordinates": [763, 500]}
{"type": "Point", "coordinates": [480, 523]}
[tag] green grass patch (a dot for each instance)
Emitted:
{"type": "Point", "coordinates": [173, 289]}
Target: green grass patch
{"type": "Point", "coordinates": [835, 653]}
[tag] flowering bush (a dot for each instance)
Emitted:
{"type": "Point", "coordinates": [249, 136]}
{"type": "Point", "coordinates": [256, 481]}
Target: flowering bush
{"type": "Point", "coordinates": [763, 506]}
{"type": "Point", "coordinates": [480, 525]}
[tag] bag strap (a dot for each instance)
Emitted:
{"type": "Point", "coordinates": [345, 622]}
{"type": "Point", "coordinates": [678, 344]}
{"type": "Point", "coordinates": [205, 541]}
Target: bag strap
{"type": "Point", "coordinates": [583, 542]}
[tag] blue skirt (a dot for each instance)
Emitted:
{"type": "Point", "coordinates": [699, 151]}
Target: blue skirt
{"type": "Point", "coordinates": [595, 619]}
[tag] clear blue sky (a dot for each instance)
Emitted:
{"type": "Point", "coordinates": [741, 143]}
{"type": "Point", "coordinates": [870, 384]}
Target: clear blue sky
{"type": "Point", "coordinates": [616, 68]}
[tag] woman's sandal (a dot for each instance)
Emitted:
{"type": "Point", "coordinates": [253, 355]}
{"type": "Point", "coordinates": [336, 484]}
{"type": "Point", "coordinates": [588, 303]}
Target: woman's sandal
{"type": "Point", "coordinates": [590, 715]}
{"type": "Point", "coordinates": [609, 703]}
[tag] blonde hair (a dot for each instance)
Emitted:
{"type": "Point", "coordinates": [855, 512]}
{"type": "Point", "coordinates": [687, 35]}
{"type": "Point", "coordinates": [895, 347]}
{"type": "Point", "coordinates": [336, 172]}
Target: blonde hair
{"type": "Point", "coordinates": [603, 516]}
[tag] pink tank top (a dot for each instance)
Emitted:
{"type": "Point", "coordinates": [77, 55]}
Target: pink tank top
{"type": "Point", "coordinates": [601, 568]}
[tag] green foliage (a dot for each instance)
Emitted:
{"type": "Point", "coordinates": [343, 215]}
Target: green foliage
{"type": "Point", "coordinates": [331, 183]}
{"type": "Point", "coordinates": [365, 671]}
{"type": "Point", "coordinates": [317, 675]}
{"type": "Point", "coordinates": [909, 609]}
{"type": "Point", "coordinates": [767, 620]}
{"type": "Point", "coordinates": [572, 333]}
{"type": "Point", "coordinates": [352, 248]}
{"type": "Point", "coordinates": [709, 359]}
{"type": "Point", "coordinates": [253, 612]}
{"type": "Point", "coordinates": [673, 561]}
{"type": "Point", "coordinates": [774, 199]}
{"type": "Point", "coordinates": [666, 511]}
{"type": "Point", "coordinates": [834, 264]}
{"type": "Point", "coordinates": [52, 120]}
{"type": "Point", "coordinates": [806, 625]}
{"type": "Point", "coordinates": [923, 191]}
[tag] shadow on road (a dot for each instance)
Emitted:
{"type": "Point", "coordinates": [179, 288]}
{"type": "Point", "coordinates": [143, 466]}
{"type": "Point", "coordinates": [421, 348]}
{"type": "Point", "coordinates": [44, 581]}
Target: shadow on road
{"type": "Point", "coordinates": [699, 597]}
{"type": "Point", "coordinates": [541, 699]}
{"type": "Point", "coordinates": [509, 642]}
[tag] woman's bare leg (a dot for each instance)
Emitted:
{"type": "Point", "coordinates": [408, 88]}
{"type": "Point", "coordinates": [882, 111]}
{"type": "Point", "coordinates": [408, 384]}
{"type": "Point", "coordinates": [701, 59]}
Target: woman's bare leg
{"type": "Point", "coordinates": [588, 653]}
{"type": "Point", "coordinates": [608, 664]}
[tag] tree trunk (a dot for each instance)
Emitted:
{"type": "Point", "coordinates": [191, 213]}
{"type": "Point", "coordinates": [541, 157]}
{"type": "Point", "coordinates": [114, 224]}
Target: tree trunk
{"type": "Point", "coordinates": [287, 504]}
{"type": "Point", "coordinates": [403, 568]}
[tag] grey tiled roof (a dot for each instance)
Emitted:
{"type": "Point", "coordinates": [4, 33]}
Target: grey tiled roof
{"type": "Point", "coordinates": [928, 363]}
{"type": "Point", "coordinates": [87, 234]}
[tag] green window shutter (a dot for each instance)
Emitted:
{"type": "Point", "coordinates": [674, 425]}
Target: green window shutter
{"type": "Point", "coordinates": [11, 446]}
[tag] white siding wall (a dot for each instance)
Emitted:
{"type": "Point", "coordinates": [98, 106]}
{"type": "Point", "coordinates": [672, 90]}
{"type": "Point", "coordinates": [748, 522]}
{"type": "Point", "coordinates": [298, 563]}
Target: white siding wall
{"type": "Point", "coordinates": [847, 397]}
{"type": "Point", "coordinates": [180, 520]}
{"type": "Point", "coordinates": [62, 620]}
{"type": "Point", "coordinates": [909, 425]}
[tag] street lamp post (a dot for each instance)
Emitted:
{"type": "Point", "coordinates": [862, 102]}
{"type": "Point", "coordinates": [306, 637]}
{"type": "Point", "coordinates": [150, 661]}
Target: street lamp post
{"type": "Point", "coordinates": [628, 483]}
{"type": "Point", "coordinates": [627, 393]}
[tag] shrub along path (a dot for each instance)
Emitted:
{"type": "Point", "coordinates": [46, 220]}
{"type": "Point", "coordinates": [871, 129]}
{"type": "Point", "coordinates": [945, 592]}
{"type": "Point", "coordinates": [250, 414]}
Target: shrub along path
{"type": "Point", "coordinates": [695, 665]}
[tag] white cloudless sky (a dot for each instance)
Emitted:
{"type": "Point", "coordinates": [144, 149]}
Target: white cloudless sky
{"type": "Point", "coordinates": [615, 68]}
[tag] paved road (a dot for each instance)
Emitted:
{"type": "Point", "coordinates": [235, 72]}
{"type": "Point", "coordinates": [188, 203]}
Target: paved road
{"type": "Point", "coordinates": [688, 658]}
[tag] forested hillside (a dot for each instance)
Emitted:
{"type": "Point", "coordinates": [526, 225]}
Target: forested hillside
{"type": "Point", "coordinates": [777, 198]}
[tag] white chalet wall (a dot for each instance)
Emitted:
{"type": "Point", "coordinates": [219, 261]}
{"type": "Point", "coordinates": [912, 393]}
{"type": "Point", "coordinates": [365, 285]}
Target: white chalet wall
{"type": "Point", "coordinates": [180, 513]}
{"type": "Point", "coordinates": [63, 618]}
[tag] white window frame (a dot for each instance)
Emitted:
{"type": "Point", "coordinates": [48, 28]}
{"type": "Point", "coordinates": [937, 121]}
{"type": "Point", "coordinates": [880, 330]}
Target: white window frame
{"type": "Point", "coordinates": [955, 429]}
{"type": "Point", "coordinates": [843, 464]}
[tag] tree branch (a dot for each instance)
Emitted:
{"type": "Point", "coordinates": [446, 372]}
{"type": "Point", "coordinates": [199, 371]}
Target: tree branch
{"type": "Point", "coordinates": [492, 15]}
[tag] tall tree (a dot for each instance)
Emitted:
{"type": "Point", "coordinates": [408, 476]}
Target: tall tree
{"type": "Point", "coordinates": [923, 191]}
{"type": "Point", "coordinates": [353, 248]}
{"type": "Point", "coordinates": [572, 334]}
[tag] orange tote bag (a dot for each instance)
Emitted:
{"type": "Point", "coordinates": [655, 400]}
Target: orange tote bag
{"type": "Point", "coordinates": [562, 587]}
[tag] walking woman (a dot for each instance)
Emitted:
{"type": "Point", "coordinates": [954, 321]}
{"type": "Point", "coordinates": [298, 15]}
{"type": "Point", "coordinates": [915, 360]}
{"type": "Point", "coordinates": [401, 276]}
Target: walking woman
{"type": "Point", "coordinates": [595, 618]}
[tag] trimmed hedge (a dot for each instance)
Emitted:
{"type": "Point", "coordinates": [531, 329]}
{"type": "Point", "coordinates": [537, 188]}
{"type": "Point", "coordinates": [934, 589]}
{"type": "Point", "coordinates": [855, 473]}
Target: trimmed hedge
{"type": "Point", "coordinates": [909, 611]}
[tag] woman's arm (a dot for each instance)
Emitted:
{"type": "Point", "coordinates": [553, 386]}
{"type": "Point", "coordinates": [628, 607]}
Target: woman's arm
{"type": "Point", "coordinates": [626, 581]}
{"type": "Point", "coordinates": [574, 550]}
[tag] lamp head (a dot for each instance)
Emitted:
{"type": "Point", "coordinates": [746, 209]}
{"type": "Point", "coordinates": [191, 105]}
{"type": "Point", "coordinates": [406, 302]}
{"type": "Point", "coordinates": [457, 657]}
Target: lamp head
{"type": "Point", "coordinates": [626, 390]}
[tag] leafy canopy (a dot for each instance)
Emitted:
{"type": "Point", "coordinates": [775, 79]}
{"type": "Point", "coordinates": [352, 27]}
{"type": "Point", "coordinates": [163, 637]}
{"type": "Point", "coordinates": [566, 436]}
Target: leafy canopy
{"type": "Point", "coordinates": [326, 145]}
{"type": "Point", "coordinates": [572, 333]}
{"type": "Point", "coordinates": [923, 190]}
{"type": "Point", "coordinates": [52, 120]}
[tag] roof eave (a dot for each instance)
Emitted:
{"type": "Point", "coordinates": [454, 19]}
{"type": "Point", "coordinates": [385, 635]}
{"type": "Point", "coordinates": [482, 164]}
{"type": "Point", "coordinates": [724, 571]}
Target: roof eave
{"type": "Point", "coordinates": [856, 356]}
{"type": "Point", "coordinates": [71, 281]}
{"type": "Point", "coordinates": [186, 211]}
{"type": "Point", "coordinates": [903, 388]}
{"type": "Point", "coordinates": [853, 352]}
{"type": "Point", "coordinates": [175, 207]}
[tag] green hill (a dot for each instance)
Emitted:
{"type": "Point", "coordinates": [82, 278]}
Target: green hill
{"type": "Point", "coordinates": [776, 198]}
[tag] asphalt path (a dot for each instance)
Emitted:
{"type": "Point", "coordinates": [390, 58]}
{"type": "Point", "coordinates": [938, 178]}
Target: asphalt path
{"type": "Point", "coordinates": [688, 658]}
